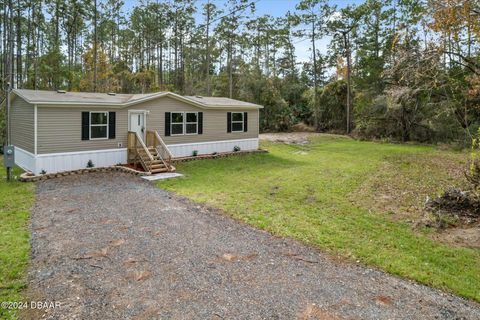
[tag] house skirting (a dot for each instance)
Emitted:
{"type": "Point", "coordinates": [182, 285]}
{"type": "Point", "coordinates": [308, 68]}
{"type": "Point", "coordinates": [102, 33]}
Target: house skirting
{"type": "Point", "coordinates": [67, 161]}
{"type": "Point", "coordinates": [186, 149]}
{"type": "Point", "coordinates": [25, 159]}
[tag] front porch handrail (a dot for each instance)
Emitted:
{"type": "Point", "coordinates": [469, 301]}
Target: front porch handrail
{"type": "Point", "coordinates": [144, 147]}
{"type": "Point", "coordinates": [167, 155]}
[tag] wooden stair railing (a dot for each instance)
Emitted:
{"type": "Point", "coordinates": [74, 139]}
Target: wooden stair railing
{"type": "Point", "coordinates": [153, 139]}
{"type": "Point", "coordinates": [138, 151]}
{"type": "Point", "coordinates": [149, 157]}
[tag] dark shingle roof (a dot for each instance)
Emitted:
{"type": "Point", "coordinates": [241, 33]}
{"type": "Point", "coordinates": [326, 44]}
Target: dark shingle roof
{"type": "Point", "coordinates": [121, 100]}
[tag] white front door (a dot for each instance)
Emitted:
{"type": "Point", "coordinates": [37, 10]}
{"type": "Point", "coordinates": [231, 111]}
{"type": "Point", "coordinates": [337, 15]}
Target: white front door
{"type": "Point", "coordinates": [137, 123]}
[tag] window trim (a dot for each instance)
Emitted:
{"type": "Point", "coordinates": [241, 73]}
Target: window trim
{"type": "Point", "coordinates": [196, 122]}
{"type": "Point", "coordinates": [90, 125]}
{"type": "Point", "coordinates": [238, 121]}
{"type": "Point", "coordinates": [184, 123]}
{"type": "Point", "coordinates": [172, 123]}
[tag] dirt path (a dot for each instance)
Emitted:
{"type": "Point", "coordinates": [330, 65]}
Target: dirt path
{"type": "Point", "coordinates": [112, 246]}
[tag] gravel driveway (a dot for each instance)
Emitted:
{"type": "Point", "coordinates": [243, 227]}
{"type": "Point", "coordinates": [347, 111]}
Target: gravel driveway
{"type": "Point", "coordinates": [112, 246]}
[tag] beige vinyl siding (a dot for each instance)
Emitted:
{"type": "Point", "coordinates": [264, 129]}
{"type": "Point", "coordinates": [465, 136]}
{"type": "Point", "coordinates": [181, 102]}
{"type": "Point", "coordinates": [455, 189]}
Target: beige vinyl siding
{"type": "Point", "coordinates": [59, 128]}
{"type": "Point", "coordinates": [22, 122]}
{"type": "Point", "coordinates": [214, 121]}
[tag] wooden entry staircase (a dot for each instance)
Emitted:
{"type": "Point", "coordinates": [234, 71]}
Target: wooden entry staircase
{"type": "Point", "coordinates": [153, 154]}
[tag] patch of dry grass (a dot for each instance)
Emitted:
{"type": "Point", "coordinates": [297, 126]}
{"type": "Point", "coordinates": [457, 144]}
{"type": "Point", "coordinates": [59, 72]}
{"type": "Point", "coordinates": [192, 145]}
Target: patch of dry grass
{"type": "Point", "coordinates": [402, 182]}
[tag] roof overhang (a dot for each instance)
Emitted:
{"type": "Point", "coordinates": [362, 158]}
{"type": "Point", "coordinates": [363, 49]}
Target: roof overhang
{"type": "Point", "coordinates": [121, 105]}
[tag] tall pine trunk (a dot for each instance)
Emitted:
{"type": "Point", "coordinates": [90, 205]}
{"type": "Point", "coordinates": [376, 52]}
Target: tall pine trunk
{"type": "Point", "coordinates": [95, 47]}
{"type": "Point", "coordinates": [315, 79]}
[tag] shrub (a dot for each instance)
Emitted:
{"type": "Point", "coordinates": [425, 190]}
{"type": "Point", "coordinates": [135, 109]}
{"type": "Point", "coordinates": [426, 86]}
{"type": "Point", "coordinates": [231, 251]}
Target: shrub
{"type": "Point", "coordinates": [194, 153]}
{"type": "Point", "coordinates": [43, 171]}
{"type": "Point", "coordinates": [236, 149]}
{"type": "Point", "coordinates": [473, 172]}
{"type": "Point", "coordinates": [90, 164]}
{"type": "Point", "coordinates": [331, 107]}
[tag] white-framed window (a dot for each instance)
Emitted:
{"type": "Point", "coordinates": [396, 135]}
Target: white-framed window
{"type": "Point", "coordinates": [184, 123]}
{"type": "Point", "coordinates": [237, 121]}
{"type": "Point", "coordinates": [176, 125]}
{"type": "Point", "coordinates": [98, 125]}
{"type": "Point", "coordinates": [191, 122]}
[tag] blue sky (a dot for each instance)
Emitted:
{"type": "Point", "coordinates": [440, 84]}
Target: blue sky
{"type": "Point", "coordinates": [275, 8]}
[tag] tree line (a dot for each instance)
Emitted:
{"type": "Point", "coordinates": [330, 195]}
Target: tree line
{"type": "Point", "coordinates": [393, 69]}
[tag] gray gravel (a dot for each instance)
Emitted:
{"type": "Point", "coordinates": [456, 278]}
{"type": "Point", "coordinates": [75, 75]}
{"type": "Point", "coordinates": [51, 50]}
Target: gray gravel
{"type": "Point", "coordinates": [112, 246]}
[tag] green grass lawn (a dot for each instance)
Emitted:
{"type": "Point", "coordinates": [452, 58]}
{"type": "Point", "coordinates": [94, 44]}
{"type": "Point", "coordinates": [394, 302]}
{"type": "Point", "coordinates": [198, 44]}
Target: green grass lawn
{"type": "Point", "coordinates": [310, 193]}
{"type": "Point", "coordinates": [16, 199]}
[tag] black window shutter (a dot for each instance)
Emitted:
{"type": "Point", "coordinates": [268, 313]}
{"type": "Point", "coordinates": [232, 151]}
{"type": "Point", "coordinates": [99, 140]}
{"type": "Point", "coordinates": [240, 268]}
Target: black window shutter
{"type": "Point", "coordinates": [111, 125]}
{"type": "Point", "coordinates": [85, 125]}
{"type": "Point", "coordinates": [229, 122]}
{"type": "Point", "coordinates": [245, 121]}
{"type": "Point", "coordinates": [200, 123]}
{"type": "Point", "coordinates": [167, 123]}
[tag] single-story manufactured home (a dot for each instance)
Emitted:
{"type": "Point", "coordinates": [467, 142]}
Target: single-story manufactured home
{"type": "Point", "coordinates": [55, 131]}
